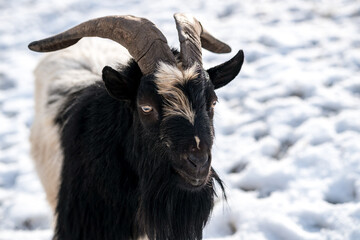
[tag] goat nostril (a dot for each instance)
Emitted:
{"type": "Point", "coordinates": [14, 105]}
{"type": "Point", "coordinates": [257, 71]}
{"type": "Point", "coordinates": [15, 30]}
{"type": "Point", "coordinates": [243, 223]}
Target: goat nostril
{"type": "Point", "coordinates": [192, 162]}
{"type": "Point", "coordinates": [206, 160]}
{"type": "Point", "coordinates": [198, 161]}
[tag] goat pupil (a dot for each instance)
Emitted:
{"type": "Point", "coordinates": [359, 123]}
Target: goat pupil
{"type": "Point", "coordinates": [146, 109]}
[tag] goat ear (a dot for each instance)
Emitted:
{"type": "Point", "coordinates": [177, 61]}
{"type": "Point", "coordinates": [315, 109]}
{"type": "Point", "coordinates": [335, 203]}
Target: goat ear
{"type": "Point", "coordinates": [226, 72]}
{"type": "Point", "coordinates": [117, 85]}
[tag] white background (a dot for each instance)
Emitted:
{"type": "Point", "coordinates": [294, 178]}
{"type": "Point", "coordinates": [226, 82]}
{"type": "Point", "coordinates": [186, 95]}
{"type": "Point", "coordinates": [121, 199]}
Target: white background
{"type": "Point", "coordinates": [287, 128]}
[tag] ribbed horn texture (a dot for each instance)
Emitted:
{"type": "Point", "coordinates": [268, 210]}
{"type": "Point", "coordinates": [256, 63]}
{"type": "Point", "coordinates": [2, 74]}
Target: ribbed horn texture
{"type": "Point", "coordinates": [144, 41]}
{"type": "Point", "coordinates": [192, 37]}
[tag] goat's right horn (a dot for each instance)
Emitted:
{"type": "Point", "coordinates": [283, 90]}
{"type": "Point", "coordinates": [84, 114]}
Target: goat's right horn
{"type": "Point", "coordinates": [144, 41]}
{"type": "Point", "coordinates": [193, 37]}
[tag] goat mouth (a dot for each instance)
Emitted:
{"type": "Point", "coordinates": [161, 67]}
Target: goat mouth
{"type": "Point", "coordinates": [193, 181]}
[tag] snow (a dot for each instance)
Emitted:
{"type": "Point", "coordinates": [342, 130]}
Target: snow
{"type": "Point", "coordinates": [287, 128]}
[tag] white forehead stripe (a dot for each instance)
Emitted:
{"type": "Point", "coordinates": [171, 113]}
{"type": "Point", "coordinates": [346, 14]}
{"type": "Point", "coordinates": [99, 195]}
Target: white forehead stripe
{"type": "Point", "coordinates": [197, 140]}
{"type": "Point", "coordinates": [167, 79]}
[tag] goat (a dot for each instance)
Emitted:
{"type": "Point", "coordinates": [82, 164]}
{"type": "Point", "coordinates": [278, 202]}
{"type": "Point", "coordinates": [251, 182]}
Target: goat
{"type": "Point", "coordinates": [126, 154]}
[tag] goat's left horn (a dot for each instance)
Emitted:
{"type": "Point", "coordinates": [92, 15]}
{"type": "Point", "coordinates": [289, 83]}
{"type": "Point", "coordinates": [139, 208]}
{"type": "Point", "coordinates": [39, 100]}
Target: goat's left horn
{"type": "Point", "coordinates": [144, 41]}
{"type": "Point", "coordinates": [192, 37]}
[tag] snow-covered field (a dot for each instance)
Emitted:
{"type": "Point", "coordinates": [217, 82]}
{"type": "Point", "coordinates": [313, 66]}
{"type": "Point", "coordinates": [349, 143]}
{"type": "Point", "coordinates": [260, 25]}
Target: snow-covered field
{"type": "Point", "coordinates": [288, 128]}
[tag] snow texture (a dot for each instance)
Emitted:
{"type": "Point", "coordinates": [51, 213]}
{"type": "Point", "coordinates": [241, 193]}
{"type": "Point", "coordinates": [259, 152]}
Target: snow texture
{"type": "Point", "coordinates": [287, 128]}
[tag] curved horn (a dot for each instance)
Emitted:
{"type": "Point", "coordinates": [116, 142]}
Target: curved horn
{"type": "Point", "coordinates": [144, 41]}
{"type": "Point", "coordinates": [192, 37]}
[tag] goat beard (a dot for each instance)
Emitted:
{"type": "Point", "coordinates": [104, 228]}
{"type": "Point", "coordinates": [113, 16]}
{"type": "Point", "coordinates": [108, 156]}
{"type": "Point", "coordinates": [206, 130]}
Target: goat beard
{"type": "Point", "coordinates": [167, 211]}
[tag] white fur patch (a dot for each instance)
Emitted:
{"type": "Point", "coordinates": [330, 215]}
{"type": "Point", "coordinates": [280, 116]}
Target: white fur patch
{"type": "Point", "coordinates": [167, 79]}
{"type": "Point", "coordinates": [68, 70]}
{"type": "Point", "coordinates": [197, 140]}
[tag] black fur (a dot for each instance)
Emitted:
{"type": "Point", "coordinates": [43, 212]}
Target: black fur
{"type": "Point", "coordinates": [118, 179]}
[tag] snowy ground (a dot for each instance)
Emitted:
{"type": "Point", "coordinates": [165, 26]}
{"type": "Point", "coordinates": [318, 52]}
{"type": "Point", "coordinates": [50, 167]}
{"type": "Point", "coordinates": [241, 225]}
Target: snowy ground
{"type": "Point", "coordinates": [288, 128]}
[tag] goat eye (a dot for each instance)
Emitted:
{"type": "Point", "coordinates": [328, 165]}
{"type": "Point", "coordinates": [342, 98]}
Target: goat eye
{"type": "Point", "coordinates": [213, 104]}
{"type": "Point", "coordinates": [146, 109]}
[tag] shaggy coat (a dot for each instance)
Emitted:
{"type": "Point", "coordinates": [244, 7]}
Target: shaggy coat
{"type": "Point", "coordinates": [111, 165]}
{"type": "Point", "coordinates": [119, 177]}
